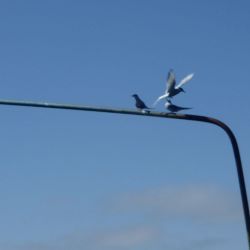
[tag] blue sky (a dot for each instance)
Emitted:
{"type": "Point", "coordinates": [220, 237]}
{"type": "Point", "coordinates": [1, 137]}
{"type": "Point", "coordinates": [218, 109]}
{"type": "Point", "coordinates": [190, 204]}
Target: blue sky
{"type": "Point", "coordinates": [74, 180]}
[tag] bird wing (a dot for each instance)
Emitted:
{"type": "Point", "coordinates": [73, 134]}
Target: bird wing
{"type": "Point", "coordinates": [160, 98]}
{"type": "Point", "coordinates": [143, 105]}
{"type": "Point", "coordinates": [170, 81]}
{"type": "Point", "coordinates": [185, 80]}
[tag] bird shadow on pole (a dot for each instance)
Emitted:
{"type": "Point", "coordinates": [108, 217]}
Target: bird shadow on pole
{"type": "Point", "coordinates": [188, 117]}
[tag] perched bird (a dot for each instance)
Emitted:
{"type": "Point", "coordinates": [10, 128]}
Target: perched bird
{"type": "Point", "coordinates": [173, 108]}
{"type": "Point", "coordinates": [139, 103]}
{"type": "Point", "coordinates": [171, 89]}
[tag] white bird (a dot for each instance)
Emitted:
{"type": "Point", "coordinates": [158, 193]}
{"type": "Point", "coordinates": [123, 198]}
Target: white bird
{"type": "Point", "coordinates": [173, 108]}
{"type": "Point", "coordinates": [171, 89]}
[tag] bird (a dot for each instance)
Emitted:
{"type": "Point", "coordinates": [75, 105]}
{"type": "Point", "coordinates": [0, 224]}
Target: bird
{"type": "Point", "coordinates": [140, 105]}
{"type": "Point", "coordinates": [174, 108]}
{"type": "Point", "coordinates": [171, 89]}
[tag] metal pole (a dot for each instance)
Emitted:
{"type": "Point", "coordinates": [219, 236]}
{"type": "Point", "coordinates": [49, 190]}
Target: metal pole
{"type": "Point", "coordinates": [160, 115]}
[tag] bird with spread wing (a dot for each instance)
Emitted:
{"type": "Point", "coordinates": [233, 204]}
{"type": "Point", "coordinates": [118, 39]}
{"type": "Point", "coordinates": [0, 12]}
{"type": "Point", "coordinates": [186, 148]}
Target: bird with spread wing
{"type": "Point", "coordinates": [172, 89]}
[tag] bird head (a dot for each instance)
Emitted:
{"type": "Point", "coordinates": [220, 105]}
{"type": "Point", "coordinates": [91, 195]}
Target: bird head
{"type": "Point", "coordinates": [135, 95]}
{"type": "Point", "coordinates": [182, 90]}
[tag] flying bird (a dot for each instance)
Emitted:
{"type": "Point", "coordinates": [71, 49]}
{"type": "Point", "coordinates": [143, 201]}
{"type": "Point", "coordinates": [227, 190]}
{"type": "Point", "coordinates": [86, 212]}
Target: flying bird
{"type": "Point", "coordinates": [139, 103]}
{"type": "Point", "coordinates": [171, 89]}
{"type": "Point", "coordinates": [174, 108]}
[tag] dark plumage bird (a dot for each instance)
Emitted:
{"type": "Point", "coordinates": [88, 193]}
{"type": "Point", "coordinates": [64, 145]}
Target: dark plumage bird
{"type": "Point", "coordinates": [139, 103]}
{"type": "Point", "coordinates": [174, 108]}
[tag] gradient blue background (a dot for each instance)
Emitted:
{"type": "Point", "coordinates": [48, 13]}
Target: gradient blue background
{"type": "Point", "coordinates": [72, 180]}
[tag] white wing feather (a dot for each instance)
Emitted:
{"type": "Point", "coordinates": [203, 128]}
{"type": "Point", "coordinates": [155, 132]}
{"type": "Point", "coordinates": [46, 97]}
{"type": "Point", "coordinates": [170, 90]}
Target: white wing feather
{"type": "Point", "coordinates": [185, 80]}
{"type": "Point", "coordinates": [170, 81]}
{"type": "Point", "coordinates": [160, 98]}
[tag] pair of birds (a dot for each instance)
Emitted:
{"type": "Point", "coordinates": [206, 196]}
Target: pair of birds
{"type": "Point", "coordinates": [170, 92]}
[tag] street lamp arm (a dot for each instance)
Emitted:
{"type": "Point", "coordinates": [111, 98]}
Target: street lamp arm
{"type": "Point", "coordinates": [160, 115]}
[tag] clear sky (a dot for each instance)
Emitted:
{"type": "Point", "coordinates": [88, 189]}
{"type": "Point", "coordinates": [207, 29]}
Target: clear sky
{"type": "Point", "coordinates": [75, 180]}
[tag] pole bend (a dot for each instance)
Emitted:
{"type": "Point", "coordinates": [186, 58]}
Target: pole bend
{"type": "Point", "coordinates": [160, 115]}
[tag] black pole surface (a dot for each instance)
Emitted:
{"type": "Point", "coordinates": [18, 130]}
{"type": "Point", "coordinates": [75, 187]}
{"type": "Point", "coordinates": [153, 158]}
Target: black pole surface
{"type": "Point", "coordinates": [160, 115]}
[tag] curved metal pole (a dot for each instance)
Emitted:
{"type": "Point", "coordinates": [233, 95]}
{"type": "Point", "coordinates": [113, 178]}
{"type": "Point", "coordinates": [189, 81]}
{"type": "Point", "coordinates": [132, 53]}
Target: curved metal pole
{"type": "Point", "coordinates": [160, 115]}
